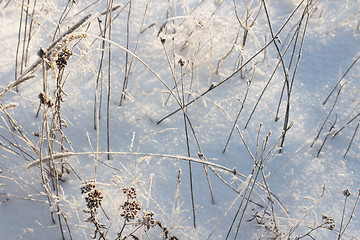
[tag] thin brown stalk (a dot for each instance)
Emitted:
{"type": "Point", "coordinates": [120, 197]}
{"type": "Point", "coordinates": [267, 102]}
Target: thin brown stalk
{"type": "Point", "coordinates": [126, 72]}
{"type": "Point", "coordinates": [351, 120]}
{"type": "Point", "coordinates": [342, 77]}
{"type": "Point", "coordinates": [238, 115]}
{"type": "Point", "coordinates": [252, 187]}
{"type": "Point", "coordinates": [172, 69]}
{"type": "Point", "coordinates": [327, 117]}
{"type": "Point", "coordinates": [187, 146]}
{"type": "Point", "coordinates": [64, 14]}
{"type": "Point", "coordinates": [346, 194]}
{"type": "Point", "coordinates": [289, 88]}
{"type": "Point", "coordinates": [30, 33]}
{"type": "Point", "coordinates": [31, 69]}
{"type": "Point", "coordinates": [24, 38]}
{"type": "Point", "coordinates": [328, 134]}
{"type": "Point", "coordinates": [259, 167]}
{"type": "Point", "coordinates": [351, 215]}
{"type": "Point", "coordinates": [109, 80]}
{"type": "Point", "coordinates": [265, 88]}
{"type": "Point", "coordinates": [292, 230]}
{"type": "Point", "coordinates": [286, 80]}
{"type": "Point", "coordinates": [19, 41]}
{"type": "Point", "coordinates": [215, 85]}
{"type": "Point", "coordinates": [227, 211]}
{"type": "Point", "coordinates": [99, 80]}
{"type": "Point", "coordinates": [352, 138]}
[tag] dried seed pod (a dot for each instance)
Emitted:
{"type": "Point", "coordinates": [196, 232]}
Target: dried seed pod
{"type": "Point", "coordinates": [42, 52]}
{"type": "Point", "coordinates": [63, 58]}
{"type": "Point", "coordinates": [50, 103]}
{"type": "Point", "coordinates": [148, 220]}
{"type": "Point", "coordinates": [43, 98]}
{"type": "Point", "coordinates": [181, 62]}
{"type": "Point", "coordinates": [87, 187]}
{"type": "Point", "coordinates": [346, 193]}
{"type": "Point", "coordinates": [329, 222]}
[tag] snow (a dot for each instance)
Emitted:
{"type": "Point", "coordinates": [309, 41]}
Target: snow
{"type": "Point", "coordinates": [295, 187]}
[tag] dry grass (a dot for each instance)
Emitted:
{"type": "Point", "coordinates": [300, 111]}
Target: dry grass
{"type": "Point", "coordinates": [114, 44]}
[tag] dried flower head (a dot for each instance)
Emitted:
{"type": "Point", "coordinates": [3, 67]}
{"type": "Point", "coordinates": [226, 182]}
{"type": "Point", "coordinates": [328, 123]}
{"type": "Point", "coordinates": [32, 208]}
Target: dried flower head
{"type": "Point", "coordinates": [131, 206]}
{"type": "Point", "coordinates": [346, 193]}
{"type": "Point", "coordinates": [94, 198]}
{"type": "Point", "coordinates": [45, 100]}
{"type": "Point", "coordinates": [130, 192]}
{"type": "Point", "coordinates": [130, 209]}
{"type": "Point", "coordinates": [63, 58]}
{"type": "Point", "coordinates": [181, 62]}
{"type": "Point", "coordinates": [88, 186]}
{"type": "Point", "coordinates": [328, 222]}
{"type": "Point", "coordinates": [148, 220]}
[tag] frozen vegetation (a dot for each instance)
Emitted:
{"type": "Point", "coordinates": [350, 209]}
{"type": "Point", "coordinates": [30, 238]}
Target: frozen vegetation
{"type": "Point", "coordinates": [189, 119]}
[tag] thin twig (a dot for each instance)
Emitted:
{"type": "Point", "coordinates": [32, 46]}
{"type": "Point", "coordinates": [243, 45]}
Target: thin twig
{"type": "Point", "coordinates": [176, 157]}
{"type": "Point", "coordinates": [327, 117]}
{"type": "Point", "coordinates": [289, 88]}
{"type": "Point", "coordinates": [108, 18]}
{"type": "Point", "coordinates": [352, 138]}
{"type": "Point", "coordinates": [342, 77]}
{"type": "Point", "coordinates": [19, 40]}
{"type": "Point", "coordinates": [351, 215]}
{"type": "Point", "coordinates": [126, 72]}
{"type": "Point", "coordinates": [329, 132]}
{"type": "Point", "coordinates": [23, 77]}
{"type": "Point", "coordinates": [240, 110]}
{"type": "Point", "coordinates": [346, 194]}
{"type": "Point", "coordinates": [292, 230]}
{"type": "Point", "coordinates": [215, 85]}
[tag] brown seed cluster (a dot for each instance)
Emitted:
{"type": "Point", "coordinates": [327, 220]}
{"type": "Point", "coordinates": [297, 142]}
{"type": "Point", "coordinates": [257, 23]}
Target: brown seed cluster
{"type": "Point", "coordinates": [328, 222]}
{"type": "Point", "coordinates": [94, 199]}
{"type": "Point", "coordinates": [93, 196]}
{"type": "Point", "coordinates": [45, 100]}
{"type": "Point", "coordinates": [63, 58]}
{"type": "Point", "coordinates": [87, 187]}
{"type": "Point", "coordinates": [148, 220]}
{"type": "Point", "coordinates": [130, 192]}
{"type": "Point", "coordinates": [131, 207]}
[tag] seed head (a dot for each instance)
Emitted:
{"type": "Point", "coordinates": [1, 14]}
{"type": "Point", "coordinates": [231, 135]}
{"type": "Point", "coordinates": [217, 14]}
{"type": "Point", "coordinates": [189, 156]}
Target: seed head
{"type": "Point", "coordinates": [346, 193]}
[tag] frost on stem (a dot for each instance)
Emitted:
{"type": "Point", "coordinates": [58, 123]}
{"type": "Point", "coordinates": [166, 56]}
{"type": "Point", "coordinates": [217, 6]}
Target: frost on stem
{"type": "Point", "coordinates": [328, 222]}
{"type": "Point", "coordinates": [131, 206]}
{"type": "Point", "coordinates": [44, 99]}
{"type": "Point", "coordinates": [93, 196]}
{"type": "Point", "coordinates": [130, 212]}
{"type": "Point", "coordinates": [93, 200]}
{"type": "Point", "coordinates": [148, 220]}
{"type": "Point", "coordinates": [63, 58]}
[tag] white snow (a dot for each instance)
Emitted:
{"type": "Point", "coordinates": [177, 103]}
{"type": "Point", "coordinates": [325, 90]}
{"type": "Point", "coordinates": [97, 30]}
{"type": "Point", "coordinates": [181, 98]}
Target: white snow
{"type": "Point", "coordinates": [198, 44]}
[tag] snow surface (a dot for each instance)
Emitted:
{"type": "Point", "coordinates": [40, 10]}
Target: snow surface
{"type": "Point", "coordinates": [152, 157]}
